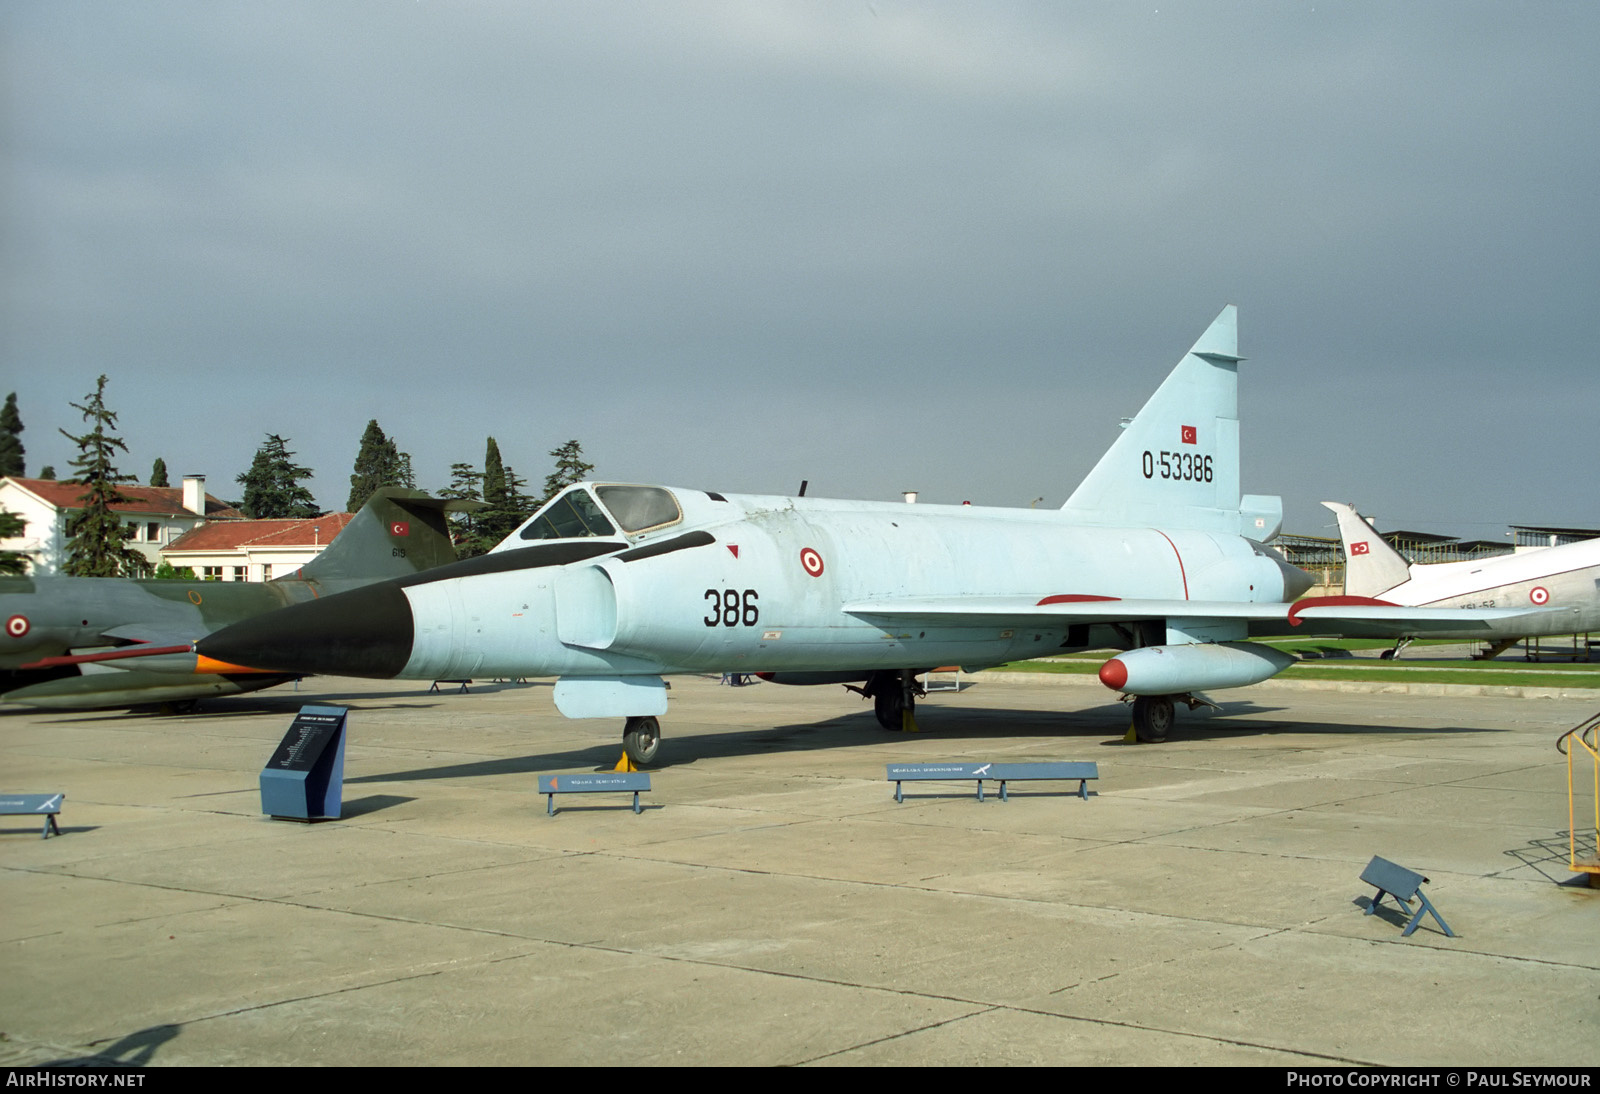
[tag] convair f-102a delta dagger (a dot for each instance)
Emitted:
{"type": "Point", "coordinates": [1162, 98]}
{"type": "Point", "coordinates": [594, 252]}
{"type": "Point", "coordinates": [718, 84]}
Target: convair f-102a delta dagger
{"type": "Point", "coordinates": [610, 586]}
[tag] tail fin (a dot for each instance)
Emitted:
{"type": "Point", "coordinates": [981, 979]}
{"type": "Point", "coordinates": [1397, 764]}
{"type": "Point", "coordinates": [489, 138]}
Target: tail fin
{"type": "Point", "coordinates": [398, 533]}
{"type": "Point", "coordinates": [1371, 566]}
{"type": "Point", "coordinates": [1177, 462]}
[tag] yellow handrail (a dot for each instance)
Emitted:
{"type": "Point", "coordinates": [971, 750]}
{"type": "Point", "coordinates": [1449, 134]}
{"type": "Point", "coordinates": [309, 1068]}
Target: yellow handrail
{"type": "Point", "coordinates": [1584, 735]}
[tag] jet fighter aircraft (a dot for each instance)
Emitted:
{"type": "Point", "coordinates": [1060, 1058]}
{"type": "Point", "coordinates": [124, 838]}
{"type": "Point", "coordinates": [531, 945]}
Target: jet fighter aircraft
{"type": "Point", "coordinates": [91, 642]}
{"type": "Point", "coordinates": [1562, 581]}
{"type": "Point", "coordinates": [610, 586]}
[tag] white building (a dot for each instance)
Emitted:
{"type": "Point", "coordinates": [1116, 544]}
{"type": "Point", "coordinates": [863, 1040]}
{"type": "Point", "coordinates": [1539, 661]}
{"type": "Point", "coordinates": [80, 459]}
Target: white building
{"type": "Point", "coordinates": [253, 550]}
{"type": "Point", "coordinates": [157, 516]}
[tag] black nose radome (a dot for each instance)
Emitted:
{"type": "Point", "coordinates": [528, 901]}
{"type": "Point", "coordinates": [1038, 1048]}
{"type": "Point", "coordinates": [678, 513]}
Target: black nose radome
{"type": "Point", "coordinates": [365, 632]}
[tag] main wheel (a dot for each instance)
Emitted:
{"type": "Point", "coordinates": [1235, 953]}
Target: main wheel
{"type": "Point", "coordinates": [641, 739]}
{"type": "Point", "coordinates": [1152, 717]}
{"type": "Point", "coordinates": [889, 705]}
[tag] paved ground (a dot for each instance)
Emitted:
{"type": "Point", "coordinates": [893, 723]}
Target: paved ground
{"type": "Point", "coordinates": [773, 905]}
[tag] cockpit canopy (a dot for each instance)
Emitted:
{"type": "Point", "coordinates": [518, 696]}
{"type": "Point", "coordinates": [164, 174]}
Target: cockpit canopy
{"type": "Point", "coordinates": [582, 511]}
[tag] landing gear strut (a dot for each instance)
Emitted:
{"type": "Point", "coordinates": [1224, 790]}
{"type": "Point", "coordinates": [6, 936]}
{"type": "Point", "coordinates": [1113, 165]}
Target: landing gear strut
{"type": "Point", "coordinates": [641, 739]}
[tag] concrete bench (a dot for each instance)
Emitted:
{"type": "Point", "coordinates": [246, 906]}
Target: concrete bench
{"type": "Point", "coordinates": [1001, 773]}
{"type": "Point", "coordinates": [1404, 885]}
{"type": "Point", "coordinates": [34, 805]}
{"type": "Point", "coordinates": [608, 782]}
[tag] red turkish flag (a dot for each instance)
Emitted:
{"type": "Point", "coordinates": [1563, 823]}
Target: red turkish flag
{"type": "Point", "coordinates": [1358, 548]}
{"type": "Point", "coordinates": [1189, 435]}
{"type": "Point", "coordinates": [400, 528]}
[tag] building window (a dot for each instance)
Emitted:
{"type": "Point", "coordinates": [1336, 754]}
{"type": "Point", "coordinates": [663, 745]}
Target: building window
{"type": "Point", "coordinates": [266, 571]}
{"type": "Point", "coordinates": [239, 573]}
{"type": "Point", "coordinates": [211, 573]}
{"type": "Point", "coordinates": [152, 532]}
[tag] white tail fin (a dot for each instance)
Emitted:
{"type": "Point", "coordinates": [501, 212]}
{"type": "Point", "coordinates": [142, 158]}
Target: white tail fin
{"type": "Point", "coordinates": [1177, 462]}
{"type": "Point", "coordinates": [1371, 566]}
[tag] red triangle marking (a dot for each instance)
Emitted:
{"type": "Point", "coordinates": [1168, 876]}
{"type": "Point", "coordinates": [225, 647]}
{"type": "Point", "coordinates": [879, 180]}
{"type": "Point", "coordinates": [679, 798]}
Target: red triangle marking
{"type": "Point", "coordinates": [734, 547]}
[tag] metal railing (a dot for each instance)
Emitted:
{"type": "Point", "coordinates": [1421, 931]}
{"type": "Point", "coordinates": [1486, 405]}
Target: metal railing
{"type": "Point", "coordinates": [1584, 736]}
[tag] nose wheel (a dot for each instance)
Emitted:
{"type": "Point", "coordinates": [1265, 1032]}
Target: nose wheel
{"type": "Point", "coordinates": [641, 740]}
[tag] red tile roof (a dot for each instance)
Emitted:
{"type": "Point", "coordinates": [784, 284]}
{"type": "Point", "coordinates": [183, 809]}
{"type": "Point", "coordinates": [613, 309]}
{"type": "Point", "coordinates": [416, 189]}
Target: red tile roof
{"type": "Point", "coordinates": [231, 535]}
{"type": "Point", "coordinates": [151, 500]}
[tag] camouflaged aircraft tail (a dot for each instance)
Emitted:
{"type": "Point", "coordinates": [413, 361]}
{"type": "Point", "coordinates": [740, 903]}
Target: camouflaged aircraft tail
{"type": "Point", "coordinates": [398, 533]}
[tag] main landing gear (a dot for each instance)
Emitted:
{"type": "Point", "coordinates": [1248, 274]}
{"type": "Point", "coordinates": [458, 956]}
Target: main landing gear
{"type": "Point", "coordinates": [894, 698]}
{"type": "Point", "coordinates": [1154, 715]}
{"type": "Point", "coordinates": [641, 740]}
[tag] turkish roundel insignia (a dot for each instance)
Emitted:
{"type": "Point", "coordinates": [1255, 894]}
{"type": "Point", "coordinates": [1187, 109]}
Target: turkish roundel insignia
{"type": "Point", "coordinates": [1189, 435]}
{"type": "Point", "coordinates": [400, 528]}
{"type": "Point", "coordinates": [1359, 548]}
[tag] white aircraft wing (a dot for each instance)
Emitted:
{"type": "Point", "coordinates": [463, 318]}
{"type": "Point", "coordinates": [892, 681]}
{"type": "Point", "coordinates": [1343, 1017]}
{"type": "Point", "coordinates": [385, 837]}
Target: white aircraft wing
{"type": "Point", "coordinates": [1356, 617]}
{"type": "Point", "coordinates": [1055, 611]}
{"type": "Point", "coordinates": [1374, 619]}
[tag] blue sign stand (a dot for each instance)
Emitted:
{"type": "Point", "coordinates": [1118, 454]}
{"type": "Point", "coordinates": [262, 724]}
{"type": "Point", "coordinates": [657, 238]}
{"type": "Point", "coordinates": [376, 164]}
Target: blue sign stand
{"type": "Point", "coordinates": [304, 780]}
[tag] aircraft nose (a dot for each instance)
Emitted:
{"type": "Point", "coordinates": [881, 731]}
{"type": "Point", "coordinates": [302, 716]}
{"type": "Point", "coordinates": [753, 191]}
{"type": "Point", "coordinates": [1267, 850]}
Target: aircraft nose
{"type": "Point", "coordinates": [366, 632]}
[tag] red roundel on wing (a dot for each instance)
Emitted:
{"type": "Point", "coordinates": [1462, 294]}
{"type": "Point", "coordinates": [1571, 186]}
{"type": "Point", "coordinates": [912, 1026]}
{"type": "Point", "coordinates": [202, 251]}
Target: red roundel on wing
{"type": "Point", "coordinates": [17, 626]}
{"type": "Point", "coordinates": [811, 561]}
{"type": "Point", "coordinates": [1114, 674]}
{"type": "Point", "coordinates": [1539, 595]}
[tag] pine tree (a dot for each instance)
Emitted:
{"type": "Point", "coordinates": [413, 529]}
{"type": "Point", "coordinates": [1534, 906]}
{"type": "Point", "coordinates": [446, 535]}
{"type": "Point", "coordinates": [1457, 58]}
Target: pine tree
{"type": "Point", "coordinates": [158, 473]}
{"type": "Point", "coordinates": [464, 481]}
{"type": "Point", "coordinates": [272, 485]}
{"type": "Point", "coordinates": [97, 538]}
{"type": "Point", "coordinates": [570, 468]}
{"type": "Point", "coordinates": [378, 464]}
{"type": "Point", "coordinates": [11, 526]}
{"type": "Point", "coordinates": [519, 503]}
{"type": "Point", "coordinates": [11, 450]}
{"type": "Point", "coordinates": [48, 472]}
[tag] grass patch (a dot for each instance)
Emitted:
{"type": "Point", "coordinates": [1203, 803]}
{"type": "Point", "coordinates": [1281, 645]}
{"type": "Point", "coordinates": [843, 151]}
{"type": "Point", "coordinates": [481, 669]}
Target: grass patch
{"type": "Point", "coordinates": [1372, 670]}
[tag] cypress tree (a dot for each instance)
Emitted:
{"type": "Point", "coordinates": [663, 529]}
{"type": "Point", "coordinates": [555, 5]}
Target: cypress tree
{"type": "Point", "coordinates": [272, 485]}
{"type": "Point", "coordinates": [158, 473]}
{"type": "Point", "coordinates": [11, 450]}
{"type": "Point", "coordinates": [97, 537]}
{"type": "Point", "coordinates": [494, 522]}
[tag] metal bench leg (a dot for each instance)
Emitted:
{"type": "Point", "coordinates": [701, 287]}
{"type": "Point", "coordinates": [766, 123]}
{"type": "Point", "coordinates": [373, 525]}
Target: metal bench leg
{"type": "Point", "coordinates": [1427, 906]}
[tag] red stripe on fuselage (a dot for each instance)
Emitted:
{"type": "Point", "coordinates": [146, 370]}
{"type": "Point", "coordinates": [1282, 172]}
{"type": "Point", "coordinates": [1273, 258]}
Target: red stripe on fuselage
{"type": "Point", "coordinates": [1181, 572]}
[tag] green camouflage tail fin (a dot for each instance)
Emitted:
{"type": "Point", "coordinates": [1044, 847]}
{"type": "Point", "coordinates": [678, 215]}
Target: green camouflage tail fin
{"type": "Point", "coordinates": [398, 533]}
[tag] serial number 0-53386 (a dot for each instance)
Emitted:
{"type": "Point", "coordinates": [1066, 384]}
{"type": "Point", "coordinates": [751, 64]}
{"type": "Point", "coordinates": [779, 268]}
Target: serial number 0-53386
{"type": "Point", "coordinates": [1182, 466]}
{"type": "Point", "coordinates": [731, 609]}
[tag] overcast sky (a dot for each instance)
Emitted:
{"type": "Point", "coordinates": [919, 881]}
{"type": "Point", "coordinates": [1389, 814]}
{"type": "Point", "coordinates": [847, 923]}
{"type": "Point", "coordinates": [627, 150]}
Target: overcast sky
{"type": "Point", "coordinates": [877, 245]}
